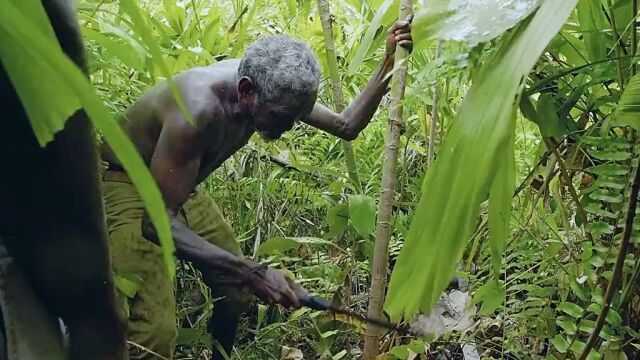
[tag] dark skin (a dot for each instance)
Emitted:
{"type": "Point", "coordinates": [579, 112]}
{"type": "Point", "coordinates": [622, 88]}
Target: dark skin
{"type": "Point", "coordinates": [226, 113]}
{"type": "Point", "coordinates": [52, 222]}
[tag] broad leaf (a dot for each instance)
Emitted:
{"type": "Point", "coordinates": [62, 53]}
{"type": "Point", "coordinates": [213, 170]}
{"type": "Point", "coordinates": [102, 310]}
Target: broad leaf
{"type": "Point", "coordinates": [281, 244]}
{"type": "Point", "coordinates": [547, 119]}
{"type": "Point", "coordinates": [628, 111]}
{"type": "Point", "coordinates": [592, 23]}
{"type": "Point", "coordinates": [500, 205]}
{"type": "Point", "coordinates": [16, 29]}
{"type": "Point", "coordinates": [492, 295]}
{"type": "Point", "coordinates": [568, 325]}
{"type": "Point", "coordinates": [461, 177]}
{"type": "Point", "coordinates": [47, 104]}
{"type": "Point", "coordinates": [470, 21]}
{"type": "Point", "coordinates": [571, 309]}
{"type": "Point", "coordinates": [362, 211]}
{"type": "Point", "coordinates": [127, 284]}
{"type": "Point", "coordinates": [337, 219]}
{"type": "Point", "coordinates": [560, 343]}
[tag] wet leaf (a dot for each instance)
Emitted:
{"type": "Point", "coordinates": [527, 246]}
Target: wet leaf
{"type": "Point", "coordinates": [461, 177]}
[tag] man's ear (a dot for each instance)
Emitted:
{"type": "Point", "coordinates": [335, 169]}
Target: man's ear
{"type": "Point", "coordinates": [246, 87]}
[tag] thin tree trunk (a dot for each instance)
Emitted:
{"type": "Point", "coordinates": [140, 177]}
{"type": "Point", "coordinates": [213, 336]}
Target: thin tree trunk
{"type": "Point", "coordinates": [336, 87]}
{"type": "Point", "coordinates": [434, 113]}
{"type": "Point", "coordinates": [385, 203]}
{"type": "Point", "coordinates": [634, 37]}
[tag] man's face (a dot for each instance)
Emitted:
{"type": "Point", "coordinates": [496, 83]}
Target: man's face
{"type": "Point", "coordinates": [273, 118]}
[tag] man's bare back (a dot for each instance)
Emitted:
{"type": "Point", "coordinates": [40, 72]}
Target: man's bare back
{"type": "Point", "coordinates": [204, 90]}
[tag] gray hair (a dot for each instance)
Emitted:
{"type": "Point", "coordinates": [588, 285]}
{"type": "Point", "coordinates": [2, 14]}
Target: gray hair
{"type": "Point", "coordinates": [278, 64]}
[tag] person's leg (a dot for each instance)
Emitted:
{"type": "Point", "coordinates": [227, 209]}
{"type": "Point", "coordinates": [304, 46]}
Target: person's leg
{"type": "Point", "coordinates": [52, 221]}
{"type": "Point", "coordinates": [151, 301]}
{"type": "Point", "coordinates": [205, 218]}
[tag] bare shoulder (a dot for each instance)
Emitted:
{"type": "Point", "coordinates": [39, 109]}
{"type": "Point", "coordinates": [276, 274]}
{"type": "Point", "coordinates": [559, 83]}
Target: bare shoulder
{"type": "Point", "coordinates": [198, 89]}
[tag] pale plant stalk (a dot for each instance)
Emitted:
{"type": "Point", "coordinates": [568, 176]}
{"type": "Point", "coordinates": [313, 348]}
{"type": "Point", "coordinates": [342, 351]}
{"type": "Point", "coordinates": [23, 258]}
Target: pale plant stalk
{"type": "Point", "coordinates": [634, 37]}
{"type": "Point", "coordinates": [336, 88]}
{"type": "Point", "coordinates": [434, 113]}
{"type": "Point", "coordinates": [385, 202]}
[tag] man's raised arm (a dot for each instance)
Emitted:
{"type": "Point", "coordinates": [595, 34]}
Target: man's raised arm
{"type": "Point", "coordinates": [350, 122]}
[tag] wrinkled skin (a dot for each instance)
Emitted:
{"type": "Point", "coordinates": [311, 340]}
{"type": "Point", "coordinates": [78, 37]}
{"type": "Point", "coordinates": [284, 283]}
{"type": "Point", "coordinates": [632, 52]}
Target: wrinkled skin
{"type": "Point", "coordinates": [226, 113]}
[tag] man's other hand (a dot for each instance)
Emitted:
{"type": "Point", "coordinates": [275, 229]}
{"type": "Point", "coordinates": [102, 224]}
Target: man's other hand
{"type": "Point", "coordinates": [400, 34]}
{"type": "Point", "coordinates": [274, 287]}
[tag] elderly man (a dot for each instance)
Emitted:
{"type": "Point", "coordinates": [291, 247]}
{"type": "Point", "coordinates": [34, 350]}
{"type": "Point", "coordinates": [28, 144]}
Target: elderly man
{"type": "Point", "coordinates": [267, 91]}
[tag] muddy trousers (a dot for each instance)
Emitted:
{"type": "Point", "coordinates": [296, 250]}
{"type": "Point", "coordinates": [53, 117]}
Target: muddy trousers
{"type": "Point", "coordinates": [152, 327]}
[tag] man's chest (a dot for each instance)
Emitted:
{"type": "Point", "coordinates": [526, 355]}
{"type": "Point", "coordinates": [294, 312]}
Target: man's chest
{"type": "Point", "coordinates": [222, 144]}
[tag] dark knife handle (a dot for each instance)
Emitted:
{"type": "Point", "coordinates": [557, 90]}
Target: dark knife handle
{"type": "Point", "coordinates": [316, 303]}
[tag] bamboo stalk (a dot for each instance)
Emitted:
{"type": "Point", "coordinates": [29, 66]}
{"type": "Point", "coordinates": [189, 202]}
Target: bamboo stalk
{"type": "Point", "coordinates": [634, 37]}
{"type": "Point", "coordinates": [434, 113]}
{"type": "Point", "coordinates": [618, 45]}
{"type": "Point", "coordinates": [385, 203]}
{"type": "Point", "coordinates": [336, 88]}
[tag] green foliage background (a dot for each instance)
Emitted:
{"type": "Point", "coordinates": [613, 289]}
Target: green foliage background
{"type": "Point", "coordinates": [563, 133]}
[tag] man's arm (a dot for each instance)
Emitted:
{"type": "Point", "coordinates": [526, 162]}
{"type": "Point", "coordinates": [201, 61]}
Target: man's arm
{"type": "Point", "coordinates": [174, 166]}
{"type": "Point", "coordinates": [350, 122]}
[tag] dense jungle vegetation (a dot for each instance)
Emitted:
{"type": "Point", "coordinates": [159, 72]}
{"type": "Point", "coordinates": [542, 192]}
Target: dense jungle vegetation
{"type": "Point", "coordinates": [512, 228]}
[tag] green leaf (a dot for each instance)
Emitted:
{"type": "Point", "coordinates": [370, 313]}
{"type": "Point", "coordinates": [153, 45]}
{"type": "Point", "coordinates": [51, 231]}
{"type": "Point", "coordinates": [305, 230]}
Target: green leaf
{"type": "Point", "coordinates": [193, 337]}
{"type": "Point", "coordinates": [610, 182]}
{"type": "Point", "coordinates": [281, 244]}
{"type": "Point", "coordinates": [547, 119]}
{"type": "Point", "coordinates": [599, 228]}
{"type": "Point", "coordinates": [577, 346]}
{"type": "Point", "coordinates": [560, 343]}
{"type": "Point", "coordinates": [124, 52]}
{"type": "Point", "coordinates": [47, 104]}
{"type": "Point", "coordinates": [143, 30]}
{"type": "Point", "coordinates": [571, 309]}
{"type": "Point", "coordinates": [592, 23]}
{"type": "Point", "coordinates": [580, 291]}
{"type": "Point", "coordinates": [292, 8]}
{"type": "Point", "coordinates": [610, 155]}
{"type": "Point", "coordinates": [461, 177]}
{"type": "Point", "coordinates": [492, 295]}
{"type": "Point", "coordinates": [45, 55]}
{"type": "Point", "coordinates": [468, 22]}
{"type": "Point", "coordinates": [613, 318]}
{"type": "Point", "coordinates": [128, 284]}
{"type": "Point", "coordinates": [337, 219]}
{"type": "Point", "coordinates": [500, 205]}
{"type": "Point", "coordinates": [262, 314]}
{"type": "Point", "coordinates": [594, 208]}
{"type": "Point", "coordinates": [367, 39]}
{"type": "Point", "coordinates": [611, 169]}
{"type": "Point", "coordinates": [587, 326]}
{"type": "Point", "coordinates": [400, 352]}
{"type": "Point", "coordinates": [362, 211]}
{"type": "Point", "coordinates": [596, 261]}
{"type": "Point", "coordinates": [628, 110]}
{"type": "Point", "coordinates": [594, 308]}
{"type": "Point", "coordinates": [330, 333]}
{"type": "Point", "coordinates": [607, 196]}
{"type": "Point", "coordinates": [568, 325]}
